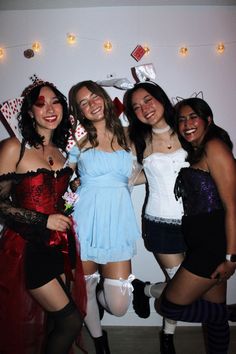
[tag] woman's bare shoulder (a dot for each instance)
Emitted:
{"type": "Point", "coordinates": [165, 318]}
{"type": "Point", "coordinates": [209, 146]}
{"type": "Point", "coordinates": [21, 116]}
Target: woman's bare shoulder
{"type": "Point", "coordinates": [10, 145]}
{"type": "Point", "coordinates": [9, 154]}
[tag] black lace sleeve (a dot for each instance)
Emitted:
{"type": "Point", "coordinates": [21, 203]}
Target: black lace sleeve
{"type": "Point", "coordinates": [30, 224]}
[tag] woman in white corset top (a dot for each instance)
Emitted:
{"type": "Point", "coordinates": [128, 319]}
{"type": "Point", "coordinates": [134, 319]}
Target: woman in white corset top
{"type": "Point", "coordinates": [151, 131]}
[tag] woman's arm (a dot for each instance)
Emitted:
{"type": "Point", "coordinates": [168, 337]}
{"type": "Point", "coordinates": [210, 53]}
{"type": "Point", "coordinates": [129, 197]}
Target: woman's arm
{"type": "Point", "coordinates": [222, 168]}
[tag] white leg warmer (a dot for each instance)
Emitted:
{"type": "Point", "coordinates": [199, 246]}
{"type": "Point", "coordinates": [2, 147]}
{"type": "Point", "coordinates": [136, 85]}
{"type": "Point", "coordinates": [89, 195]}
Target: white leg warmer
{"type": "Point", "coordinates": [154, 290]}
{"type": "Point", "coordinates": [92, 319]}
{"type": "Point", "coordinates": [116, 295]}
{"type": "Point", "coordinates": [170, 325]}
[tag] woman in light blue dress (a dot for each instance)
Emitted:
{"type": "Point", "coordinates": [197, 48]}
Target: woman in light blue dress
{"type": "Point", "coordinates": [104, 214]}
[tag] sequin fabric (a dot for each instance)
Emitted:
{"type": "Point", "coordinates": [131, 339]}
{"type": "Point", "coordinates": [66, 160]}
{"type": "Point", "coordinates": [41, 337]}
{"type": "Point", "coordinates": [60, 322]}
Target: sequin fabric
{"type": "Point", "coordinates": [198, 190]}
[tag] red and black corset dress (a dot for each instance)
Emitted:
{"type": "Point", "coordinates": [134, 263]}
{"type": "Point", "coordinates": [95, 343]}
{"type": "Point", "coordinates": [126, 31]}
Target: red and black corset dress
{"type": "Point", "coordinates": [31, 255]}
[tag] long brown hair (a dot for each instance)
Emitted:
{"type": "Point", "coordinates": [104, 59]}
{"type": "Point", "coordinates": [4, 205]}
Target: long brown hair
{"type": "Point", "coordinates": [113, 123]}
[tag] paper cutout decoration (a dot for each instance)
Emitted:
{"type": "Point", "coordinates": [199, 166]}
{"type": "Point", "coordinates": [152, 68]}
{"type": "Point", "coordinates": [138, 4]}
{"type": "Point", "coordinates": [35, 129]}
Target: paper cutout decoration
{"type": "Point", "coordinates": [119, 106]}
{"type": "Point", "coordinates": [144, 72]}
{"type": "Point", "coordinates": [78, 134]}
{"type": "Point", "coordinates": [121, 83]}
{"type": "Point", "coordinates": [10, 110]}
{"type": "Point", "coordinates": [28, 53]}
{"type": "Point", "coordinates": [138, 52]}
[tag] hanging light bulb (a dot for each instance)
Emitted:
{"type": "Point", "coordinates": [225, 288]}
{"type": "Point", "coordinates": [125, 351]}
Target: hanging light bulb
{"type": "Point", "coordinates": [147, 49]}
{"type": "Point", "coordinates": [183, 51]}
{"type": "Point", "coordinates": [1, 53]}
{"type": "Point", "coordinates": [220, 48]}
{"type": "Point", "coordinates": [71, 38]}
{"type": "Point", "coordinates": [107, 46]}
{"type": "Point", "coordinates": [36, 46]}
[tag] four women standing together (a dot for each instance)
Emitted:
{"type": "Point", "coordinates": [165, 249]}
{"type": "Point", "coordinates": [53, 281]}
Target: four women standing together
{"type": "Point", "coordinates": [34, 179]}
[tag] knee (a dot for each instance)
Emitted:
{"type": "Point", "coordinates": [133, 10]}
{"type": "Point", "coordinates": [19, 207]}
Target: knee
{"type": "Point", "coordinates": [118, 295]}
{"type": "Point", "coordinates": [168, 309]}
{"type": "Point", "coordinates": [67, 319]}
{"type": "Point", "coordinates": [119, 308]}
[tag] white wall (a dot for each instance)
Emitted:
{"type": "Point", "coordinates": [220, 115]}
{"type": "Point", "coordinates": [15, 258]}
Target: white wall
{"type": "Point", "coordinates": [164, 29]}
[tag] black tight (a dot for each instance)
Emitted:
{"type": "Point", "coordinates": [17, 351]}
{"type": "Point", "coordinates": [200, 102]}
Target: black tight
{"type": "Point", "coordinates": [63, 327]}
{"type": "Point", "coordinates": [67, 325]}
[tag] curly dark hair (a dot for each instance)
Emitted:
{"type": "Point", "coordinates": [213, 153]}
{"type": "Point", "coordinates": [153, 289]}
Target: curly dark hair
{"type": "Point", "coordinates": [139, 132]}
{"type": "Point", "coordinates": [26, 123]}
{"type": "Point", "coordinates": [203, 110]}
{"type": "Point", "coordinates": [113, 123]}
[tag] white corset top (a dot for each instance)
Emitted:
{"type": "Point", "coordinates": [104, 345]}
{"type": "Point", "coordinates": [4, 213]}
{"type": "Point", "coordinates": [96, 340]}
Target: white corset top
{"type": "Point", "coordinates": [161, 170]}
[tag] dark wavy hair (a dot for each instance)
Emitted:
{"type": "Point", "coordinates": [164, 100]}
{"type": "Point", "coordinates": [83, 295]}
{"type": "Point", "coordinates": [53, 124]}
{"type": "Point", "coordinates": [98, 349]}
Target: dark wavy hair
{"type": "Point", "coordinates": [203, 110]}
{"type": "Point", "coordinates": [26, 123]}
{"type": "Point", "coordinates": [113, 123]}
{"type": "Point", "coordinates": [139, 132]}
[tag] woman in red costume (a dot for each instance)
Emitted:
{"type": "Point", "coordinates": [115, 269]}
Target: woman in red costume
{"type": "Point", "coordinates": [38, 251]}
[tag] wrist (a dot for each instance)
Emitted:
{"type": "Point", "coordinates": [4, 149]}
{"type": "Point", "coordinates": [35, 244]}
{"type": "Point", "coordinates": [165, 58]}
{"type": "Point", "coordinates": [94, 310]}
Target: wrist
{"type": "Point", "coordinates": [230, 257]}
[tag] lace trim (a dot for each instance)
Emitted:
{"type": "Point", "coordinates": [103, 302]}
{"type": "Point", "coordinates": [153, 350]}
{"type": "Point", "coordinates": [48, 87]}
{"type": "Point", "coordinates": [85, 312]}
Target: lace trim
{"type": "Point", "coordinates": [18, 176]}
{"type": "Point", "coordinates": [163, 220]}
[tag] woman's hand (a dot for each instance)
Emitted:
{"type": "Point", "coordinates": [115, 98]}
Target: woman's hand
{"type": "Point", "coordinates": [224, 271]}
{"type": "Point", "coordinates": [59, 222]}
{"type": "Point", "coordinates": [74, 184]}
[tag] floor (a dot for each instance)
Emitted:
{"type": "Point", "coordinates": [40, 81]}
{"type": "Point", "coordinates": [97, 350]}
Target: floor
{"type": "Point", "coordinates": [145, 340]}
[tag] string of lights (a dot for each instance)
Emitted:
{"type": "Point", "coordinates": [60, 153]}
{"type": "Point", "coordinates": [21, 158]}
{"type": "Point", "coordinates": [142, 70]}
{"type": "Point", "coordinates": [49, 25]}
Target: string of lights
{"type": "Point", "coordinates": [107, 46]}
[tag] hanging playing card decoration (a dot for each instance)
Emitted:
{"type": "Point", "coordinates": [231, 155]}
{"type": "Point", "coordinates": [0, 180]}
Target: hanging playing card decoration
{"type": "Point", "coordinates": [138, 52]}
{"type": "Point", "coordinates": [9, 112]}
{"type": "Point", "coordinates": [77, 134]}
{"type": "Point", "coordinates": [119, 106]}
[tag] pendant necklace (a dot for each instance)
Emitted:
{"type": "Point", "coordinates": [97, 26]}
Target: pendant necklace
{"type": "Point", "coordinates": [161, 131]}
{"type": "Point", "coordinates": [51, 163]}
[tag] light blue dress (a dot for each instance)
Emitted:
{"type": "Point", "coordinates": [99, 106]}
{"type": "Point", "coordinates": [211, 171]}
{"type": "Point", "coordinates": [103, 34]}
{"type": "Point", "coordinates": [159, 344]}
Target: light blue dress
{"type": "Point", "coordinates": [104, 215]}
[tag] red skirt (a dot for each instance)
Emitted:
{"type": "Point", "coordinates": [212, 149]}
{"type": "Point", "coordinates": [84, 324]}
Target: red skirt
{"type": "Point", "coordinates": [22, 319]}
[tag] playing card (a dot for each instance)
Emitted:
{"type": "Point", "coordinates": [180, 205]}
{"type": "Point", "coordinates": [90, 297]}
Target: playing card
{"type": "Point", "coordinates": [138, 52]}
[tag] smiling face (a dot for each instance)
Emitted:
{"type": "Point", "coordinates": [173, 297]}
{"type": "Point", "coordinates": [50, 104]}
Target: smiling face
{"type": "Point", "coordinates": [47, 110]}
{"type": "Point", "coordinates": [148, 109]}
{"type": "Point", "coordinates": [90, 104]}
{"type": "Point", "coordinates": [192, 127]}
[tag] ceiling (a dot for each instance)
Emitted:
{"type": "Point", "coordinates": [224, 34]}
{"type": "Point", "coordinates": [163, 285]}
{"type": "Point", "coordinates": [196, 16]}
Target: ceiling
{"type": "Point", "coordinates": [60, 4]}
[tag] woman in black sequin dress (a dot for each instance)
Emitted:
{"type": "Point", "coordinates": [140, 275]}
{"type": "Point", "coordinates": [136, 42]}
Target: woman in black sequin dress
{"type": "Point", "coordinates": [38, 252]}
{"type": "Point", "coordinates": [197, 293]}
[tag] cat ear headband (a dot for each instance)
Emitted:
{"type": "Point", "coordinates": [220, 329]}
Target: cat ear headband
{"type": "Point", "coordinates": [177, 99]}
